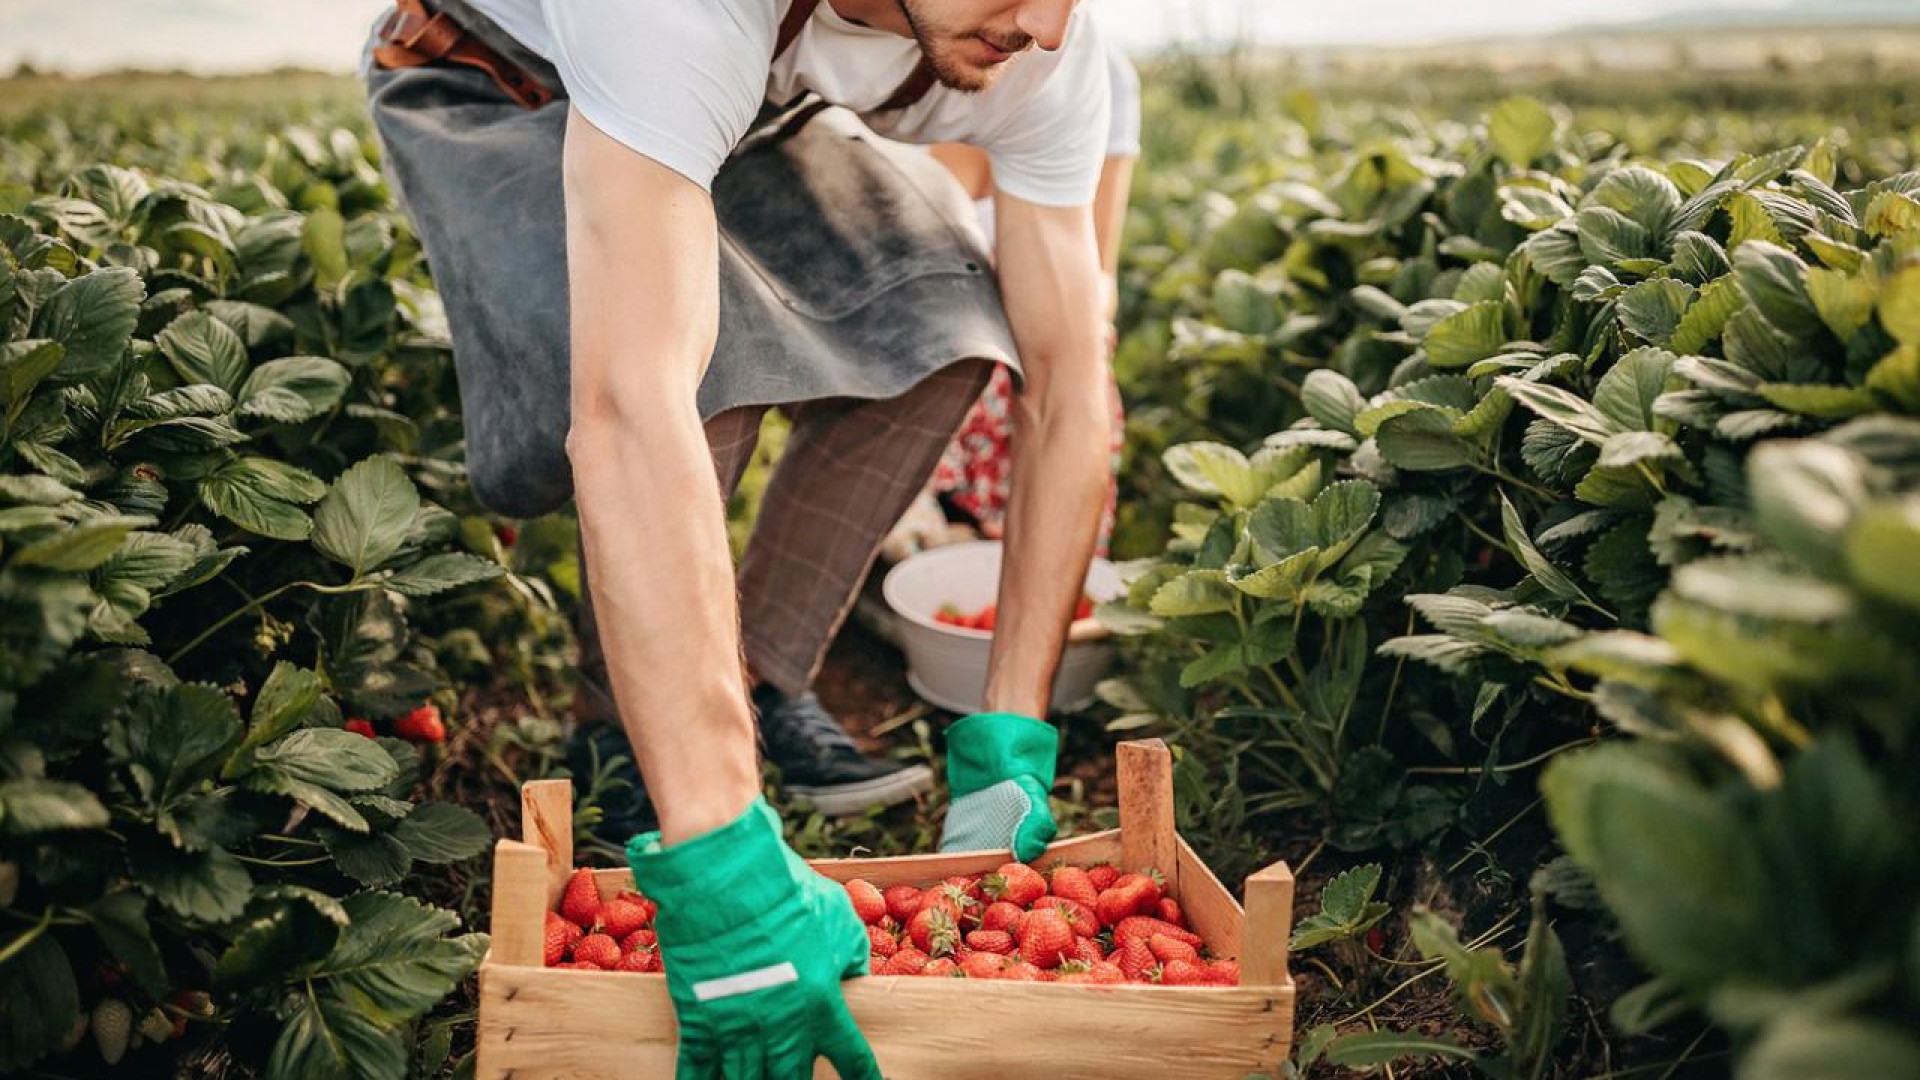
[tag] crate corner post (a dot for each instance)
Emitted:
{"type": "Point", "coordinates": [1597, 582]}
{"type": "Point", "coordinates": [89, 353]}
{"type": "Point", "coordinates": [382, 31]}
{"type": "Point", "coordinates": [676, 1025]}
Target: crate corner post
{"type": "Point", "coordinates": [1148, 836]}
{"type": "Point", "coordinates": [546, 822]}
{"type": "Point", "coordinates": [1268, 929]}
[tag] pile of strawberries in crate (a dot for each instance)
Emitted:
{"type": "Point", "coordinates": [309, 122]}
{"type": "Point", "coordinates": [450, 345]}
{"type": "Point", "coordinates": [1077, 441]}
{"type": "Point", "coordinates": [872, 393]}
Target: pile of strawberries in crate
{"type": "Point", "coordinates": [1069, 925]}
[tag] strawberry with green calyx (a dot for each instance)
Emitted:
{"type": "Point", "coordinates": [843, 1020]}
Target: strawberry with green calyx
{"type": "Point", "coordinates": [1016, 883]}
{"type": "Point", "coordinates": [1045, 938]}
{"type": "Point", "coordinates": [1181, 972]}
{"type": "Point", "coordinates": [868, 902]}
{"type": "Point", "coordinates": [1087, 950]}
{"type": "Point", "coordinates": [580, 902]}
{"type": "Point", "coordinates": [1080, 918]}
{"type": "Point", "coordinates": [561, 934]}
{"type": "Point", "coordinates": [1073, 883]}
{"type": "Point", "coordinates": [934, 931]}
{"type": "Point", "coordinates": [599, 950]}
{"type": "Point", "coordinates": [639, 939]}
{"type": "Point", "coordinates": [941, 967]}
{"type": "Point", "coordinates": [643, 961]}
{"type": "Point", "coordinates": [968, 885]}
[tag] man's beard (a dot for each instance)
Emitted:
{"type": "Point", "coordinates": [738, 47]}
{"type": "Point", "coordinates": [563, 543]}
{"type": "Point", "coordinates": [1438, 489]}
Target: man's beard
{"type": "Point", "coordinates": [941, 47]}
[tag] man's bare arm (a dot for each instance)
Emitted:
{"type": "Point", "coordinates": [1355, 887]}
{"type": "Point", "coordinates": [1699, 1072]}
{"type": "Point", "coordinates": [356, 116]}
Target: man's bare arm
{"type": "Point", "coordinates": [642, 259]}
{"type": "Point", "coordinates": [1050, 281]}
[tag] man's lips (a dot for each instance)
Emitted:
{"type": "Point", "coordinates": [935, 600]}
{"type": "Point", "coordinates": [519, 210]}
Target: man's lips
{"type": "Point", "coordinates": [994, 54]}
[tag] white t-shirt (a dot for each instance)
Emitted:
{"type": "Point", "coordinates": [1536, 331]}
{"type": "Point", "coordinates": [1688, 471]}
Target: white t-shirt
{"type": "Point", "coordinates": [681, 81]}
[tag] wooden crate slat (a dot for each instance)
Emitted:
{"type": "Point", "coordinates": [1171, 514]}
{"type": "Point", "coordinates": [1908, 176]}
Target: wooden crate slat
{"type": "Point", "coordinates": [546, 821]}
{"type": "Point", "coordinates": [1211, 910]}
{"type": "Point", "coordinates": [583, 1024]}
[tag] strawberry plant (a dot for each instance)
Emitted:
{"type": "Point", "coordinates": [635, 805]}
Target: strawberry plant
{"type": "Point", "coordinates": [209, 553]}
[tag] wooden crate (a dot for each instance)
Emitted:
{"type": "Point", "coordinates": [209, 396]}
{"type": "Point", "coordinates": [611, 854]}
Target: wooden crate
{"type": "Point", "coordinates": [538, 1023]}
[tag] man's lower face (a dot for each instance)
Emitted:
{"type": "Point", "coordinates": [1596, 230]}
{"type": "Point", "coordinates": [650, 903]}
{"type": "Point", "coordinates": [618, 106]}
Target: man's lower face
{"type": "Point", "coordinates": [963, 59]}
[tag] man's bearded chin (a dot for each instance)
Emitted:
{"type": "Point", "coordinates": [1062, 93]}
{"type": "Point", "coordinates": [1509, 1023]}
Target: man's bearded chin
{"type": "Point", "coordinates": [946, 49]}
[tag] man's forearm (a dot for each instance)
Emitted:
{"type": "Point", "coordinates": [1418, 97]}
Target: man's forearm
{"type": "Point", "coordinates": [663, 593]}
{"type": "Point", "coordinates": [644, 282]}
{"type": "Point", "coordinates": [1061, 443]}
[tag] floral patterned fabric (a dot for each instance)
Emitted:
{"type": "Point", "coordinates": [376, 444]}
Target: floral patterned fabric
{"type": "Point", "coordinates": [973, 473]}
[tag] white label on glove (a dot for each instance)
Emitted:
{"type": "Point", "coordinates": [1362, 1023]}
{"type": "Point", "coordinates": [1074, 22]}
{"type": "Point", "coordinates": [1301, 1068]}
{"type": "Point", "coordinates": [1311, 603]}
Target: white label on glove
{"type": "Point", "coordinates": [746, 982]}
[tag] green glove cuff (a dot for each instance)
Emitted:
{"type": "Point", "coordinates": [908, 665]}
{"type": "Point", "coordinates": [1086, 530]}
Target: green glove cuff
{"type": "Point", "coordinates": [714, 882]}
{"type": "Point", "coordinates": [987, 748]}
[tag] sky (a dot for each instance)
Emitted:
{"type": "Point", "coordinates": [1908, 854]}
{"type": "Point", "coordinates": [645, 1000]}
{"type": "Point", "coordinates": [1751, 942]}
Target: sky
{"type": "Point", "coordinates": [241, 35]}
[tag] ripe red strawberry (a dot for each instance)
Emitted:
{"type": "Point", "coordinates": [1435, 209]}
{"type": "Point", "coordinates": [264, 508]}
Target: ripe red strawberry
{"type": "Point", "coordinates": [1000, 915]}
{"type": "Point", "coordinates": [941, 967]}
{"type": "Point", "coordinates": [1144, 927]}
{"type": "Point", "coordinates": [868, 903]}
{"type": "Point", "coordinates": [1023, 971]}
{"type": "Point", "coordinates": [599, 950]}
{"type": "Point", "coordinates": [422, 725]}
{"type": "Point", "coordinates": [1179, 972]}
{"type": "Point", "coordinates": [905, 962]}
{"type": "Point", "coordinates": [1080, 918]}
{"type": "Point", "coordinates": [1168, 910]}
{"type": "Point", "coordinates": [561, 935]}
{"type": "Point", "coordinates": [623, 915]}
{"type": "Point", "coordinates": [1224, 973]}
{"type": "Point", "coordinates": [581, 900]}
{"type": "Point", "coordinates": [1087, 950]}
{"type": "Point", "coordinates": [507, 534]}
{"type": "Point", "coordinates": [968, 884]}
{"type": "Point", "coordinates": [359, 726]}
{"type": "Point", "coordinates": [641, 960]}
{"type": "Point", "coordinates": [1016, 883]}
{"type": "Point", "coordinates": [993, 941]}
{"type": "Point", "coordinates": [934, 930]}
{"type": "Point", "coordinates": [1074, 884]}
{"type": "Point", "coordinates": [983, 965]}
{"type": "Point", "coordinates": [1166, 949]}
{"type": "Point", "coordinates": [1045, 937]}
{"type": "Point", "coordinates": [903, 902]}
{"type": "Point", "coordinates": [639, 939]}
{"type": "Point", "coordinates": [881, 942]}
{"type": "Point", "coordinates": [1127, 898]}
{"type": "Point", "coordinates": [1133, 958]}
{"type": "Point", "coordinates": [1105, 973]}
{"type": "Point", "coordinates": [1376, 941]}
{"type": "Point", "coordinates": [1103, 875]}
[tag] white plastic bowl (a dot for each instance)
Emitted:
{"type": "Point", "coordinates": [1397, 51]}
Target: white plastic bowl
{"type": "Point", "coordinates": [947, 665]}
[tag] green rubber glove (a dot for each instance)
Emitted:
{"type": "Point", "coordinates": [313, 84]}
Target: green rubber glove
{"type": "Point", "coordinates": [999, 769]}
{"type": "Point", "coordinates": [755, 944]}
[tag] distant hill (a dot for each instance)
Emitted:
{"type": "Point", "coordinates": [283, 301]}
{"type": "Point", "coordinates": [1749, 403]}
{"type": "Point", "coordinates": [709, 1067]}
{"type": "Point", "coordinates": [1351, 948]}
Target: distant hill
{"type": "Point", "coordinates": [1795, 13]}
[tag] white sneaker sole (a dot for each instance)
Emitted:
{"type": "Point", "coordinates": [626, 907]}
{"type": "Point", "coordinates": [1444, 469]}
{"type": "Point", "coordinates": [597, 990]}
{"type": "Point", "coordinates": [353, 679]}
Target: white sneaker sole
{"type": "Point", "coordinates": [845, 800]}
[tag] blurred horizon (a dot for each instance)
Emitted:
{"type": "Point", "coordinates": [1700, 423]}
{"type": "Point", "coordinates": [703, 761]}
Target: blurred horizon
{"type": "Point", "coordinates": [232, 36]}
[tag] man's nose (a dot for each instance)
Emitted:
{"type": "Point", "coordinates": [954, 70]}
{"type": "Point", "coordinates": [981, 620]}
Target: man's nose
{"type": "Point", "coordinates": [1045, 21]}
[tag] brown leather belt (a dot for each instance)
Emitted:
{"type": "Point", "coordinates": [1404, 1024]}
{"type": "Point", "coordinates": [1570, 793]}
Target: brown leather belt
{"type": "Point", "coordinates": [415, 37]}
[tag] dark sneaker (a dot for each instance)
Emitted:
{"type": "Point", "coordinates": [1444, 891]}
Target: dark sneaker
{"type": "Point", "coordinates": [819, 762]}
{"type": "Point", "coordinates": [601, 750]}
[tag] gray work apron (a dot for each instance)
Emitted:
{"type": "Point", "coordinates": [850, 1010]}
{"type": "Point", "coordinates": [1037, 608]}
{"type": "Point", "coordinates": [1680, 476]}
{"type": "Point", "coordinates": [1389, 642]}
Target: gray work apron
{"type": "Point", "coordinates": [848, 264]}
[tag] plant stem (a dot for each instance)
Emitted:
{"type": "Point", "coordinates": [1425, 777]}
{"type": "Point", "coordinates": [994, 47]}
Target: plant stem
{"type": "Point", "coordinates": [1476, 770]}
{"type": "Point", "coordinates": [19, 944]}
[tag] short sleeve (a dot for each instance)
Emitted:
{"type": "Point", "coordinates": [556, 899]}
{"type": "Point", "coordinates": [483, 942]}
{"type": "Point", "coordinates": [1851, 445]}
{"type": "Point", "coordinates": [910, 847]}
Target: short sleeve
{"type": "Point", "coordinates": [1123, 82]}
{"type": "Point", "coordinates": [679, 81]}
{"type": "Point", "coordinates": [1049, 148]}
